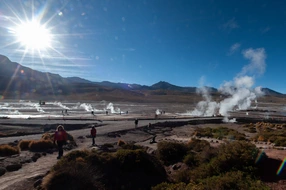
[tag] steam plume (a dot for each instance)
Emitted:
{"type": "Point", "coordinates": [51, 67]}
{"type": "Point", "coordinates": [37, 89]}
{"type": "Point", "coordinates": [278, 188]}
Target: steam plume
{"type": "Point", "coordinates": [239, 92]}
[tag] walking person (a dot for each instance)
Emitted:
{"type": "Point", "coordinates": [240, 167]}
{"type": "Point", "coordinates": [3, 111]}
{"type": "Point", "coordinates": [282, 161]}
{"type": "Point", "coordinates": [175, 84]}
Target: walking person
{"type": "Point", "coordinates": [60, 138]}
{"type": "Point", "coordinates": [136, 122]}
{"type": "Point", "coordinates": [93, 135]}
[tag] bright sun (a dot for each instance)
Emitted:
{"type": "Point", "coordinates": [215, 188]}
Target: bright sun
{"type": "Point", "coordinates": [33, 35]}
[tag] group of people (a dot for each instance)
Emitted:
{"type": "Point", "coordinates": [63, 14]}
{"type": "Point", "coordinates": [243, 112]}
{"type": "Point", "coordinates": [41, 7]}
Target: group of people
{"type": "Point", "coordinates": [61, 137]}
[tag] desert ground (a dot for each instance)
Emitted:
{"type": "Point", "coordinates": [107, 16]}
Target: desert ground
{"type": "Point", "coordinates": [168, 123]}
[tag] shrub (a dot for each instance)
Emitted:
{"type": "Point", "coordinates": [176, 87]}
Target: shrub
{"type": "Point", "coordinates": [7, 150]}
{"type": "Point", "coordinates": [219, 133]}
{"type": "Point", "coordinates": [170, 186]}
{"type": "Point", "coordinates": [170, 152]}
{"type": "Point", "coordinates": [191, 159]}
{"type": "Point", "coordinates": [124, 169]}
{"type": "Point", "coordinates": [131, 146]}
{"type": "Point", "coordinates": [24, 144]}
{"type": "Point", "coordinates": [238, 155]}
{"type": "Point", "coordinates": [40, 145]}
{"type": "Point", "coordinates": [79, 175]}
{"type": "Point", "coordinates": [197, 145]}
{"type": "Point", "coordinates": [70, 158]}
{"type": "Point", "coordinates": [121, 142]}
{"type": "Point", "coordinates": [47, 136]}
{"type": "Point", "coordinates": [233, 180]}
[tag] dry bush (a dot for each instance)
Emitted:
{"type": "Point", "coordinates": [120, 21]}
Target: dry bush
{"type": "Point", "coordinates": [121, 142]}
{"type": "Point", "coordinates": [171, 152]}
{"type": "Point", "coordinates": [124, 169]}
{"type": "Point", "coordinates": [24, 144]}
{"type": "Point", "coordinates": [47, 136]}
{"type": "Point", "coordinates": [7, 150]}
{"type": "Point", "coordinates": [78, 175]}
{"type": "Point", "coordinates": [40, 145]}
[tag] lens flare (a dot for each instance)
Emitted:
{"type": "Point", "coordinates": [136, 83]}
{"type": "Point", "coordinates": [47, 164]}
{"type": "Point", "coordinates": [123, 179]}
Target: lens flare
{"type": "Point", "coordinates": [33, 35]}
{"type": "Point", "coordinates": [281, 167]}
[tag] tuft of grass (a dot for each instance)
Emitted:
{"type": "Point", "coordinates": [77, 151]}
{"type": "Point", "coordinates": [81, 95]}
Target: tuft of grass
{"type": "Point", "coordinates": [219, 133]}
{"type": "Point", "coordinates": [121, 142]}
{"type": "Point", "coordinates": [47, 136]}
{"type": "Point", "coordinates": [40, 145]}
{"type": "Point", "coordinates": [7, 150]}
{"type": "Point", "coordinates": [24, 144]}
{"type": "Point", "coordinates": [171, 152]}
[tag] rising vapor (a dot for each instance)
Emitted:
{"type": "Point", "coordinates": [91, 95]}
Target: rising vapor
{"type": "Point", "coordinates": [240, 93]}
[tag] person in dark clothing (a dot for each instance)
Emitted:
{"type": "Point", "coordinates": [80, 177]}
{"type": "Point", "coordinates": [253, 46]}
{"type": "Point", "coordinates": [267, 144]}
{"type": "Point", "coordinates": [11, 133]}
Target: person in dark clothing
{"type": "Point", "coordinates": [93, 135]}
{"type": "Point", "coordinates": [60, 138]}
{"type": "Point", "coordinates": [136, 122]}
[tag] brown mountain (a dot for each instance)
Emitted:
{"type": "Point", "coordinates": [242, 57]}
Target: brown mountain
{"type": "Point", "coordinates": [20, 82]}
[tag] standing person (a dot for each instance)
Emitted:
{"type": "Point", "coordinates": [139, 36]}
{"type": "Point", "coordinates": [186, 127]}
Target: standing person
{"type": "Point", "coordinates": [93, 134]}
{"type": "Point", "coordinates": [61, 138]}
{"type": "Point", "coordinates": [136, 122]}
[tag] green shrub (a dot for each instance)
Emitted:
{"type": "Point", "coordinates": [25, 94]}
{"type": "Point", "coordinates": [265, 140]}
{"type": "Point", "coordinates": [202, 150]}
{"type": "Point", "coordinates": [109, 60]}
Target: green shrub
{"type": "Point", "coordinates": [7, 150]}
{"type": "Point", "coordinates": [69, 158]}
{"type": "Point", "coordinates": [171, 152]}
{"type": "Point", "coordinates": [219, 133]}
{"type": "Point", "coordinates": [24, 144]}
{"type": "Point", "coordinates": [40, 145]}
{"type": "Point", "coordinates": [233, 180]}
{"type": "Point", "coordinates": [124, 169]}
{"type": "Point", "coordinates": [191, 159]}
{"type": "Point", "coordinates": [77, 175]}
{"type": "Point", "coordinates": [197, 145]}
{"type": "Point", "coordinates": [170, 186]}
{"type": "Point", "coordinates": [131, 146]}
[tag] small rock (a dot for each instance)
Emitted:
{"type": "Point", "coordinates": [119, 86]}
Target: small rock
{"type": "Point", "coordinates": [13, 167]}
{"type": "Point", "coordinates": [175, 167]}
{"type": "Point", "coordinates": [37, 183]}
{"type": "Point", "coordinates": [2, 171]}
{"type": "Point", "coordinates": [81, 137]}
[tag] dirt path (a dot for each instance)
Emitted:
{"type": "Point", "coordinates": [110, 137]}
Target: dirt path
{"type": "Point", "coordinates": [24, 178]}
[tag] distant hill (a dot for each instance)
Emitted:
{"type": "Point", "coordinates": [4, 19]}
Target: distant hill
{"type": "Point", "coordinates": [20, 82]}
{"type": "Point", "coordinates": [269, 92]}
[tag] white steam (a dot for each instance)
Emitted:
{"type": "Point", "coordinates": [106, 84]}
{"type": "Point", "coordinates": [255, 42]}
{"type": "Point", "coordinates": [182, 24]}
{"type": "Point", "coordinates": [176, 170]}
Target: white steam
{"type": "Point", "coordinates": [239, 92]}
{"type": "Point", "coordinates": [112, 109]}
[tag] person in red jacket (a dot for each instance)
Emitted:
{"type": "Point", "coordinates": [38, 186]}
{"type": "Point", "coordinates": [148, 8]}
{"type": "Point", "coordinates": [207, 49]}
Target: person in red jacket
{"type": "Point", "coordinates": [93, 135]}
{"type": "Point", "coordinates": [61, 138]}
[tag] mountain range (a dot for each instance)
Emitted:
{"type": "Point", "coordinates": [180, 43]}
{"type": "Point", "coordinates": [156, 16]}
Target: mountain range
{"type": "Point", "coordinates": [20, 82]}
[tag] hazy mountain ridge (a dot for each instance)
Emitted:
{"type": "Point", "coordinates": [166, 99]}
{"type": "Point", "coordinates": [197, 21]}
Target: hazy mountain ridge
{"type": "Point", "coordinates": [20, 82]}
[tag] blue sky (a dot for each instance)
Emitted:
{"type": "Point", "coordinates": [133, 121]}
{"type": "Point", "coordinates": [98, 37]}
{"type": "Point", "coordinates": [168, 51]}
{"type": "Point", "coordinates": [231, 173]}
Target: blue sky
{"type": "Point", "coordinates": [183, 42]}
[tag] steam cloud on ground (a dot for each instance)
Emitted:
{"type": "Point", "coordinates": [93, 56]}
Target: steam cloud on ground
{"type": "Point", "coordinates": [239, 92]}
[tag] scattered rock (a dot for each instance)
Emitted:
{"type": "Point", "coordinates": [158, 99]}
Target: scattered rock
{"type": "Point", "coordinates": [37, 183]}
{"type": "Point", "coordinates": [13, 167]}
{"type": "Point", "coordinates": [35, 157]}
{"type": "Point", "coordinates": [49, 151]}
{"type": "Point", "coordinates": [81, 137]}
{"type": "Point", "coordinates": [150, 151]}
{"type": "Point", "coordinates": [176, 166]}
{"type": "Point", "coordinates": [2, 171]}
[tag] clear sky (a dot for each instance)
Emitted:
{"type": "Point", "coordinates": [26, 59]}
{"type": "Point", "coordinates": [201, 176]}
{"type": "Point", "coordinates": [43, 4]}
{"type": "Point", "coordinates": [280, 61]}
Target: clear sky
{"type": "Point", "coordinates": [183, 42]}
